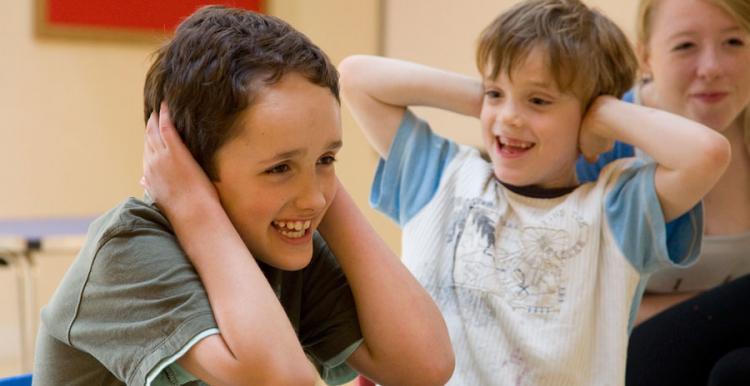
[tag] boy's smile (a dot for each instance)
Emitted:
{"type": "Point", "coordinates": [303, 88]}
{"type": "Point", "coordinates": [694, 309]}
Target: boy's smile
{"type": "Point", "coordinates": [512, 148]}
{"type": "Point", "coordinates": [293, 229]}
{"type": "Point", "coordinates": [530, 127]}
{"type": "Point", "coordinates": [276, 176]}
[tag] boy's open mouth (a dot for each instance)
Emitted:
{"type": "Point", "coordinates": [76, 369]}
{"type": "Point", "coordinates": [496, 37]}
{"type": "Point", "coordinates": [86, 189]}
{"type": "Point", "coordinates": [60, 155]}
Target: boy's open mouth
{"type": "Point", "coordinates": [512, 147]}
{"type": "Point", "coordinates": [292, 229]}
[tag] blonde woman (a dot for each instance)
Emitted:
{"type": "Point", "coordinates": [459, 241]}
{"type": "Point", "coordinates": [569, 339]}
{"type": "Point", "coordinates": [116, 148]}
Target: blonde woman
{"type": "Point", "coordinates": [695, 58]}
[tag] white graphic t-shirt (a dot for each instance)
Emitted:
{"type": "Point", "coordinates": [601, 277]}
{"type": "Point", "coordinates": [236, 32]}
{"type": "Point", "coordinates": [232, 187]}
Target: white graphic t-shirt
{"type": "Point", "coordinates": [535, 291]}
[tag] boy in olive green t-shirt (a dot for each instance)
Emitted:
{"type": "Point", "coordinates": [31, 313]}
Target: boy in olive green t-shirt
{"type": "Point", "coordinates": [251, 261]}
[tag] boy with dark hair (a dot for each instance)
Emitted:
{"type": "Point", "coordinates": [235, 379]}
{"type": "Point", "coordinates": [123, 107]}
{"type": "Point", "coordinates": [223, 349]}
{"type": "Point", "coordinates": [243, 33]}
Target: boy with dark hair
{"type": "Point", "coordinates": [220, 274]}
{"type": "Point", "coordinates": [538, 277]}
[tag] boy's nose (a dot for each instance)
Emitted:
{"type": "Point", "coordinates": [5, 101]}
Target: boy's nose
{"type": "Point", "coordinates": [509, 116]}
{"type": "Point", "coordinates": [311, 195]}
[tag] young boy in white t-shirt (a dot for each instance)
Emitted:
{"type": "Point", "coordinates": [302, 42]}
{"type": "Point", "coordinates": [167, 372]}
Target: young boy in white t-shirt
{"type": "Point", "coordinates": [538, 277]}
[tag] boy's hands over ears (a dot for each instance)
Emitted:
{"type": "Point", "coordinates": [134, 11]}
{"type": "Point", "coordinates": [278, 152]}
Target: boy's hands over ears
{"type": "Point", "coordinates": [171, 176]}
{"type": "Point", "coordinates": [591, 138]}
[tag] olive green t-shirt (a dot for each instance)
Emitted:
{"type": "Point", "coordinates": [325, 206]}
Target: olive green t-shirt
{"type": "Point", "coordinates": [132, 302]}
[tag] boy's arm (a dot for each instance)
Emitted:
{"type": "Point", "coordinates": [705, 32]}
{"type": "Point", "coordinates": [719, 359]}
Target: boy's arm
{"type": "Point", "coordinates": [405, 341]}
{"type": "Point", "coordinates": [690, 156]}
{"type": "Point", "coordinates": [257, 344]}
{"type": "Point", "coordinates": [378, 90]}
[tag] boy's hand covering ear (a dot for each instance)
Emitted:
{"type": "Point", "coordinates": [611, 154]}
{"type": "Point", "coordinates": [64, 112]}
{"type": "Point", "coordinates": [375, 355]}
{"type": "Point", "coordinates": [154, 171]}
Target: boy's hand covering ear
{"type": "Point", "coordinates": [590, 141]}
{"type": "Point", "coordinates": [171, 176]}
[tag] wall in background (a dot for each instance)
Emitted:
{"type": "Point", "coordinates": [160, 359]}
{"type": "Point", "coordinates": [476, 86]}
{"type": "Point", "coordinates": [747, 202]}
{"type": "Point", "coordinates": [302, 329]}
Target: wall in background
{"type": "Point", "coordinates": [71, 131]}
{"type": "Point", "coordinates": [70, 136]}
{"type": "Point", "coordinates": [72, 115]}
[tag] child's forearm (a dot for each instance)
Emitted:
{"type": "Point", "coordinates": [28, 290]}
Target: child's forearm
{"type": "Point", "coordinates": [690, 156]}
{"type": "Point", "coordinates": [378, 90]}
{"type": "Point", "coordinates": [671, 140]}
{"type": "Point", "coordinates": [401, 83]}
{"type": "Point", "coordinates": [405, 338]}
{"type": "Point", "coordinates": [252, 323]}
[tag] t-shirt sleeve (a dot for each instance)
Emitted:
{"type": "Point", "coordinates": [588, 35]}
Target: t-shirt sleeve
{"type": "Point", "coordinates": [409, 178]}
{"type": "Point", "coordinates": [329, 328]}
{"type": "Point", "coordinates": [588, 172]}
{"type": "Point", "coordinates": [141, 305]}
{"type": "Point", "coordinates": [636, 220]}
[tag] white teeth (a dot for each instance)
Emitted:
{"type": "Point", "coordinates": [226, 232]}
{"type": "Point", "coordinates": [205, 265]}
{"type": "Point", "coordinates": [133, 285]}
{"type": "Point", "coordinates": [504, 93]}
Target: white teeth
{"type": "Point", "coordinates": [515, 143]}
{"type": "Point", "coordinates": [293, 235]}
{"type": "Point", "coordinates": [293, 228]}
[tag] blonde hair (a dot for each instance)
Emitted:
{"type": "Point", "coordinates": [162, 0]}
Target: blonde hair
{"type": "Point", "coordinates": [739, 10]}
{"type": "Point", "coordinates": [586, 52]}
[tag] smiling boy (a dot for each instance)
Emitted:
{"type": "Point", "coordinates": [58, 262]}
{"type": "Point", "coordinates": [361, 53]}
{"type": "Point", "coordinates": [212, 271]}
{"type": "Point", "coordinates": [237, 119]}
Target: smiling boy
{"type": "Point", "coordinates": [538, 277]}
{"type": "Point", "coordinates": [248, 260]}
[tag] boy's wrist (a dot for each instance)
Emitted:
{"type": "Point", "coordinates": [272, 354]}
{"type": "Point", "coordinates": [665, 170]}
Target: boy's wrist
{"type": "Point", "coordinates": [604, 115]}
{"type": "Point", "coordinates": [193, 210]}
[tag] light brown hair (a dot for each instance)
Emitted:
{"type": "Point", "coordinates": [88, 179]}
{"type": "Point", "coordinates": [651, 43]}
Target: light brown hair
{"type": "Point", "coordinates": [214, 66]}
{"type": "Point", "coordinates": [587, 53]}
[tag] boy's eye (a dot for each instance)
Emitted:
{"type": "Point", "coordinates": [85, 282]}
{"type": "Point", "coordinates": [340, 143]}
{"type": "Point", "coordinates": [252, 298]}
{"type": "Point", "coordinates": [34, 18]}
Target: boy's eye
{"type": "Point", "coordinates": [492, 94]}
{"type": "Point", "coordinates": [539, 101]}
{"type": "Point", "coordinates": [278, 169]}
{"type": "Point", "coordinates": [683, 46]}
{"type": "Point", "coordinates": [327, 160]}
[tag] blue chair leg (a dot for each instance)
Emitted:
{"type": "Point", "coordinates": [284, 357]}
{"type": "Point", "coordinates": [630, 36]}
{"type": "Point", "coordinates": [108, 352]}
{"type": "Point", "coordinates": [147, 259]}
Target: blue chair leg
{"type": "Point", "coordinates": [17, 380]}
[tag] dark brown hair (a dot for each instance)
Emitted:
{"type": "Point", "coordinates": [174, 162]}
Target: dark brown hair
{"type": "Point", "coordinates": [587, 53]}
{"type": "Point", "coordinates": [215, 65]}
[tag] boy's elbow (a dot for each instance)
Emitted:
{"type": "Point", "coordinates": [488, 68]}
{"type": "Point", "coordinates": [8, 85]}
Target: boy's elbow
{"type": "Point", "coordinates": [211, 360]}
{"type": "Point", "coordinates": [277, 373]}
{"type": "Point", "coordinates": [281, 370]}
{"type": "Point", "coordinates": [271, 367]}
{"type": "Point", "coordinates": [293, 378]}
{"type": "Point", "coordinates": [433, 369]}
{"type": "Point", "coordinates": [349, 70]}
{"type": "Point", "coordinates": [440, 371]}
{"type": "Point", "coordinates": [717, 153]}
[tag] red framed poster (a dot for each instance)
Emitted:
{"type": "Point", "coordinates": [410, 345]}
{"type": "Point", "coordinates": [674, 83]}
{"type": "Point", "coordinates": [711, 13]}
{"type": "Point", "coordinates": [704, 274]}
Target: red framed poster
{"type": "Point", "coordinates": [120, 19]}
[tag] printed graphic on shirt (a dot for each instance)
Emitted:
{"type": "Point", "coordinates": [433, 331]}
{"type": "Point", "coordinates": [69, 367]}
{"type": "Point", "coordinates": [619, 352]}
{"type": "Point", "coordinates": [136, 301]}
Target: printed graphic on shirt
{"type": "Point", "coordinates": [521, 264]}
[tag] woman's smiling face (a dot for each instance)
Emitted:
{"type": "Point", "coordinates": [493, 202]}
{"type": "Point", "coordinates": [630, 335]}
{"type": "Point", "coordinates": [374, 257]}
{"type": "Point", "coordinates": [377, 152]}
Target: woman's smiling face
{"type": "Point", "coordinates": [699, 57]}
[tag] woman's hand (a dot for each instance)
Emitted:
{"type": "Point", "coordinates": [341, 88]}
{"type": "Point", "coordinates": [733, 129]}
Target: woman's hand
{"type": "Point", "coordinates": [171, 176]}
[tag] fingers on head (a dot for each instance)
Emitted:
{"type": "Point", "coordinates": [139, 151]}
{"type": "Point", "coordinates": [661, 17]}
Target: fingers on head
{"type": "Point", "coordinates": [166, 127]}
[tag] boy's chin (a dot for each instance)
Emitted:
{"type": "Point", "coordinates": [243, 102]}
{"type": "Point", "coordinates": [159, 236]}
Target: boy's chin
{"type": "Point", "coordinates": [290, 262]}
{"type": "Point", "coordinates": [511, 179]}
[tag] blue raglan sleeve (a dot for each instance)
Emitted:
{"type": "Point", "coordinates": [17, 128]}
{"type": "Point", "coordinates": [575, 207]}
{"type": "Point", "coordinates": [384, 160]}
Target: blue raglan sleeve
{"type": "Point", "coordinates": [636, 219]}
{"type": "Point", "coordinates": [588, 172]}
{"type": "Point", "coordinates": [409, 178]}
